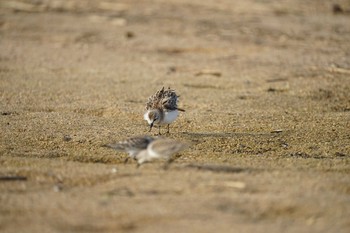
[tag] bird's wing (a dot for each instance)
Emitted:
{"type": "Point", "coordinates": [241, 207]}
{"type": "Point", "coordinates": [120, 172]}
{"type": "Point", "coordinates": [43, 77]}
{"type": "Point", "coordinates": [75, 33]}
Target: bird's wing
{"type": "Point", "coordinates": [131, 144]}
{"type": "Point", "coordinates": [170, 99]}
{"type": "Point", "coordinates": [166, 99]}
{"type": "Point", "coordinates": [164, 148]}
{"type": "Point", "coordinates": [155, 100]}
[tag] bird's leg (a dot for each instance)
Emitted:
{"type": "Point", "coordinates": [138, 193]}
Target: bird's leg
{"type": "Point", "coordinates": [126, 160]}
{"type": "Point", "coordinates": [159, 130]}
{"type": "Point", "coordinates": [168, 129]}
{"type": "Point", "coordinates": [168, 162]}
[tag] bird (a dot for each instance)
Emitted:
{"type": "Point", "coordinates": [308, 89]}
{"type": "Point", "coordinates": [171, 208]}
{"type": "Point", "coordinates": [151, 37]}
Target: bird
{"type": "Point", "coordinates": [146, 149]}
{"type": "Point", "coordinates": [161, 108]}
{"type": "Point", "coordinates": [132, 145]}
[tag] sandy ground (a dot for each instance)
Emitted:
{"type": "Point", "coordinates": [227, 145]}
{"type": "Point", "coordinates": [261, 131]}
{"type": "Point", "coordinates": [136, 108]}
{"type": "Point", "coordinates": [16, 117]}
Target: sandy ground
{"type": "Point", "coordinates": [265, 85]}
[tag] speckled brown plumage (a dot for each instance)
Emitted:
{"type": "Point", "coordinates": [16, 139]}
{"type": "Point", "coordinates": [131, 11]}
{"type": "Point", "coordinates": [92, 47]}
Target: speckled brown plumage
{"type": "Point", "coordinates": [163, 99]}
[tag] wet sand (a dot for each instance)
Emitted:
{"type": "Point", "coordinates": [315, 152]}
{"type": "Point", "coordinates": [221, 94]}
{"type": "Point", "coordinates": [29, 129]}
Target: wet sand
{"type": "Point", "coordinates": [265, 85]}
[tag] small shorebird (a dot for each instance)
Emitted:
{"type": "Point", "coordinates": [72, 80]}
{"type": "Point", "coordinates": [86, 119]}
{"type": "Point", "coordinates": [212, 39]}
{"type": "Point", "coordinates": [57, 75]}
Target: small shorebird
{"type": "Point", "coordinates": [146, 148]}
{"type": "Point", "coordinates": [161, 108]}
{"type": "Point", "coordinates": [132, 146]}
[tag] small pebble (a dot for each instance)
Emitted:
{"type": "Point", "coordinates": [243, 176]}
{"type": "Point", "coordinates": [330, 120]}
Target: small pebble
{"type": "Point", "coordinates": [129, 35]}
{"type": "Point", "coordinates": [57, 188]}
{"type": "Point", "coordinates": [114, 170]}
{"type": "Point", "coordinates": [67, 138]}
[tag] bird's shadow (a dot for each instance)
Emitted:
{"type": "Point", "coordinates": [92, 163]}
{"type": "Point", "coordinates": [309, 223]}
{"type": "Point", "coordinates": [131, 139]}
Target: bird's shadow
{"type": "Point", "coordinates": [222, 134]}
{"type": "Point", "coordinates": [218, 168]}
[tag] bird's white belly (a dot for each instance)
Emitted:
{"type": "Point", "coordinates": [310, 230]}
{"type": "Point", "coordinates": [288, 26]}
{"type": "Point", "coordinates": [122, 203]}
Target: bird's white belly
{"type": "Point", "coordinates": [170, 117]}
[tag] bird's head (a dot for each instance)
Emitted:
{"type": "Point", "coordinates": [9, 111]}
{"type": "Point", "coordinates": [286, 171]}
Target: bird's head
{"type": "Point", "coordinates": [152, 117]}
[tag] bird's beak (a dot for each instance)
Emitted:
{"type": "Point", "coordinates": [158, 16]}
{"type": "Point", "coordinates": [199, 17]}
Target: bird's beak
{"type": "Point", "coordinates": [150, 126]}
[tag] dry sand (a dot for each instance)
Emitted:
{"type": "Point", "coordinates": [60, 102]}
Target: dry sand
{"type": "Point", "coordinates": [266, 86]}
